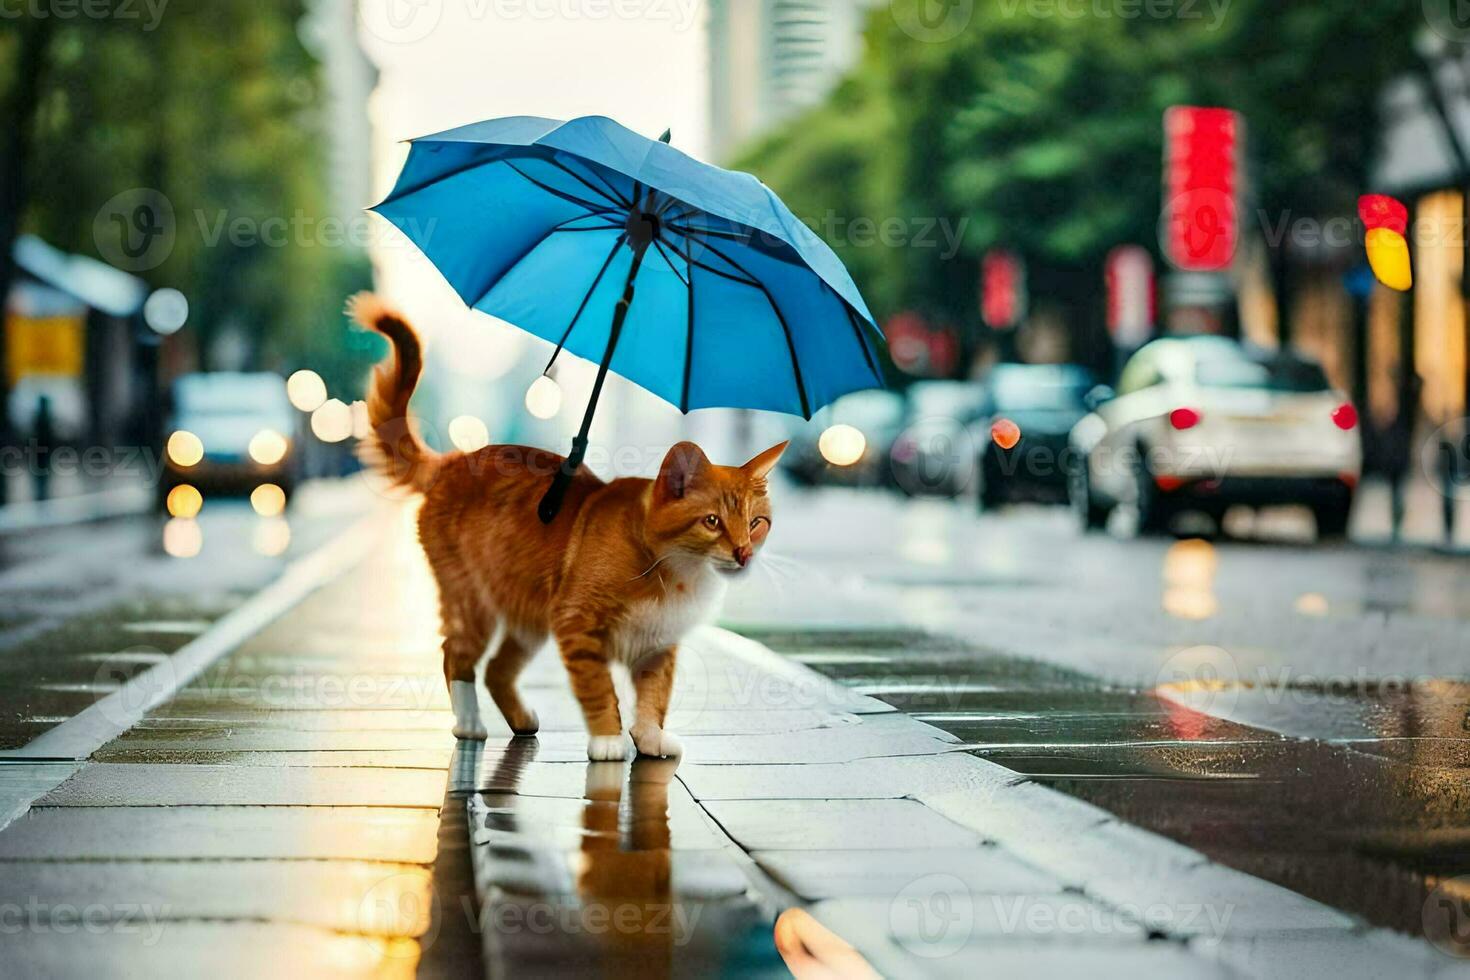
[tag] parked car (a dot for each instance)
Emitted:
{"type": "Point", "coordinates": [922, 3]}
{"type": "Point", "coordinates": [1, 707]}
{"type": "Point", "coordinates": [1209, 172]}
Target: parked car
{"type": "Point", "coordinates": [935, 454]}
{"type": "Point", "coordinates": [230, 432]}
{"type": "Point", "coordinates": [1044, 401]}
{"type": "Point", "coordinates": [1205, 422]}
{"type": "Point", "coordinates": [848, 443]}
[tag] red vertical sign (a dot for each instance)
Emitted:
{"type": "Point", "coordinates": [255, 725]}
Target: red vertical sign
{"type": "Point", "coordinates": [1130, 281]}
{"type": "Point", "coordinates": [1201, 183]}
{"type": "Point", "coordinates": [1002, 289]}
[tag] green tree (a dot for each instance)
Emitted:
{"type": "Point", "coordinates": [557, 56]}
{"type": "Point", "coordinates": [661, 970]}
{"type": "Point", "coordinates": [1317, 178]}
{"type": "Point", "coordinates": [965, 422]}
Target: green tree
{"type": "Point", "coordinates": [1044, 134]}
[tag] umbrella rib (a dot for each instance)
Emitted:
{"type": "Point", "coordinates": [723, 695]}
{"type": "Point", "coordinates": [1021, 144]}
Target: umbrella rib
{"type": "Point", "coordinates": [590, 206]}
{"type": "Point", "coordinates": [806, 411]}
{"type": "Point", "coordinates": [857, 329]}
{"type": "Point", "coordinates": [659, 245]}
{"type": "Point", "coordinates": [612, 196]}
{"type": "Point", "coordinates": [709, 268]}
{"type": "Point", "coordinates": [688, 344]}
{"type": "Point", "coordinates": [533, 246]}
{"type": "Point", "coordinates": [689, 232]}
{"type": "Point", "coordinates": [585, 299]}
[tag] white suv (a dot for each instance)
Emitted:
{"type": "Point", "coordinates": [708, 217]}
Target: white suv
{"type": "Point", "coordinates": [1200, 423]}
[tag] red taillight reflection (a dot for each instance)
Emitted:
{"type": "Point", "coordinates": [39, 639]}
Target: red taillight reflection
{"type": "Point", "coordinates": [1184, 418]}
{"type": "Point", "coordinates": [1345, 416]}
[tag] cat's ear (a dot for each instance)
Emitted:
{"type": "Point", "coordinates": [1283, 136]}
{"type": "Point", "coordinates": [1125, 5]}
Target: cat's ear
{"type": "Point", "coordinates": [761, 465]}
{"type": "Point", "coordinates": [682, 466]}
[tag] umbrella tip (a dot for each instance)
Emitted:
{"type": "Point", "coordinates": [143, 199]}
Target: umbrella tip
{"type": "Point", "coordinates": [668, 135]}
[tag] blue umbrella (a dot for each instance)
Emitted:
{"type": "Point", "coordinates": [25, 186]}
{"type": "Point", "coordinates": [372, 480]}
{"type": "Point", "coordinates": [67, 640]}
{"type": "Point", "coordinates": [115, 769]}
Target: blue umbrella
{"type": "Point", "coordinates": [550, 225]}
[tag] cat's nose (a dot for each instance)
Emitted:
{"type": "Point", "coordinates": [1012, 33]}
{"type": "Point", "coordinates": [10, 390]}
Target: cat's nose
{"type": "Point", "coordinates": [743, 554]}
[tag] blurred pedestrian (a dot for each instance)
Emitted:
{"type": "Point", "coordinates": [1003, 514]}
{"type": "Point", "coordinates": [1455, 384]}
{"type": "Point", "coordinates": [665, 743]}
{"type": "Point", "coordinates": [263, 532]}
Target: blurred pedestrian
{"type": "Point", "coordinates": [43, 436]}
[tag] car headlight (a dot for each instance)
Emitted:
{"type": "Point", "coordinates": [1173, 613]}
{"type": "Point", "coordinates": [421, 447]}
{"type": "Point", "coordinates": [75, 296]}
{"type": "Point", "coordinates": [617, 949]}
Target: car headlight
{"type": "Point", "coordinates": [842, 445]}
{"type": "Point", "coordinates": [268, 447]}
{"type": "Point", "coordinates": [184, 448]}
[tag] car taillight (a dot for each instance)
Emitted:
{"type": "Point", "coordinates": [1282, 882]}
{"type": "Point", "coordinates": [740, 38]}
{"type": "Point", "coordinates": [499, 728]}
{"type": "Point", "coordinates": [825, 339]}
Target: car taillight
{"type": "Point", "coordinates": [1344, 416]}
{"type": "Point", "coordinates": [1184, 418]}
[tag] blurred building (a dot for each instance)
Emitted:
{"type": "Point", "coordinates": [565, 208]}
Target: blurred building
{"type": "Point", "coordinates": [72, 330]}
{"type": "Point", "coordinates": [330, 30]}
{"type": "Point", "coordinates": [772, 58]}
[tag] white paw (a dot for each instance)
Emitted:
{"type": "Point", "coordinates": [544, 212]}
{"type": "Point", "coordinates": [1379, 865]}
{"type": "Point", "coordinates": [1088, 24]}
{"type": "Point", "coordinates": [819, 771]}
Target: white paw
{"type": "Point", "coordinates": [607, 748]}
{"type": "Point", "coordinates": [656, 742]}
{"type": "Point", "coordinates": [466, 707]}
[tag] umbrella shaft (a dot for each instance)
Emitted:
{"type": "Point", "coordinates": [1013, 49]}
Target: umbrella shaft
{"type": "Point", "coordinates": [551, 503]}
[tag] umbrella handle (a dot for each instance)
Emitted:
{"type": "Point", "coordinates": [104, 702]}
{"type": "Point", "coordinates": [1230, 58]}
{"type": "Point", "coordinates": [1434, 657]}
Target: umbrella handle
{"type": "Point", "coordinates": [550, 506]}
{"type": "Point", "coordinates": [551, 502]}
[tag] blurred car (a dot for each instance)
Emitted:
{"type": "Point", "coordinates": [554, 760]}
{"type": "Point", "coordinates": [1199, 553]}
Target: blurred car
{"type": "Point", "coordinates": [935, 454]}
{"type": "Point", "coordinates": [1044, 401]}
{"type": "Point", "coordinates": [1204, 422]}
{"type": "Point", "coordinates": [849, 445]}
{"type": "Point", "coordinates": [230, 432]}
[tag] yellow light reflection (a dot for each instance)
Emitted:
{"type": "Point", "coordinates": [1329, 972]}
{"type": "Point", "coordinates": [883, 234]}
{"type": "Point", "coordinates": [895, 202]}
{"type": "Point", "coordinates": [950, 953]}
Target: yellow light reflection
{"type": "Point", "coordinates": [182, 537]}
{"type": "Point", "coordinates": [268, 500]}
{"type": "Point", "coordinates": [842, 444]}
{"type": "Point", "coordinates": [272, 537]}
{"type": "Point", "coordinates": [185, 448]}
{"type": "Point", "coordinates": [1189, 580]}
{"type": "Point", "coordinates": [184, 501]}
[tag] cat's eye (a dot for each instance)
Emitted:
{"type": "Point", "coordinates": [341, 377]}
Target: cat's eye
{"type": "Point", "coordinates": [758, 521]}
{"type": "Point", "coordinates": [712, 522]}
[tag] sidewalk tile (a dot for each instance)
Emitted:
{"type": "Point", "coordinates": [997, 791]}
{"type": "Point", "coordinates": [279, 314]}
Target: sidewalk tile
{"type": "Point", "coordinates": [101, 784]}
{"type": "Point", "coordinates": [368, 898]}
{"type": "Point", "coordinates": [815, 875]}
{"type": "Point", "coordinates": [208, 832]}
{"type": "Point", "coordinates": [221, 951]}
{"type": "Point", "coordinates": [769, 825]}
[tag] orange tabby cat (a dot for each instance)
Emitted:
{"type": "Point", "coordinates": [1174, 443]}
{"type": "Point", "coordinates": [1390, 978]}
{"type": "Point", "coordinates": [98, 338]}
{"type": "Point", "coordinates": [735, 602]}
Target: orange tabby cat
{"type": "Point", "coordinates": [625, 570]}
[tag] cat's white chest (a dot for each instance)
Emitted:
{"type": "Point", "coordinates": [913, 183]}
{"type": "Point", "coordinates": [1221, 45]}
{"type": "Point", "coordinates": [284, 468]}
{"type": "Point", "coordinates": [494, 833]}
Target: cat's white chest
{"type": "Point", "coordinates": [650, 626]}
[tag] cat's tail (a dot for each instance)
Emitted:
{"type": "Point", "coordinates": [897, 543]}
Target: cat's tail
{"type": "Point", "coordinates": [395, 447]}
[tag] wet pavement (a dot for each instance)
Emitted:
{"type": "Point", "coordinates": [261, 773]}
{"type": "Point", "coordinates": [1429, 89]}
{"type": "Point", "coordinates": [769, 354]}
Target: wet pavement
{"type": "Point", "coordinates": [85, 608]}
{"type": "Point", "coordinates": [903, 787]}
{"type": "Point", "coordinates": [1299, 714]}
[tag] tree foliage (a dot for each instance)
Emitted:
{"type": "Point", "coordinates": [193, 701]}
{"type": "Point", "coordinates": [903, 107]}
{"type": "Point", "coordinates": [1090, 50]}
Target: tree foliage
{"type": "Point", "coordinates": [1044, 133]}
{"type": "Point", "coordinates": [219, 107]}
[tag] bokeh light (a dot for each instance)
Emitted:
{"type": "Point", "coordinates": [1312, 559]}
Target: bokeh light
{"type": "Point", "coordinates": [268, 500]}
{"type": "Point", "coordinates": [268, 447]}
{"type": "Point", "coordinates": [842, 444]}
{"type": "Point", "coordinates": [166, 311]}
{"type": "Point", "coordinates": [1005, 433]}
{"type": "Point", "coordinates": [185, 448]}
{"type": "Point", "coordinates": [184, 501]}
{"type": "Point", "coordinates": [468, 434]}
{"type": "Point", "coordinates": [543, 398]}
{"type": "Point", "coordinates": [182, 537]}
{"type": "Point", "coordinates": [332, 421]}
{"type": "Point", "coordinates": [306, 390]}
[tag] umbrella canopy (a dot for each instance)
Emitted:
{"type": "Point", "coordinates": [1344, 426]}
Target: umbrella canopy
{"type": "Point", "coordinates": [553, 226]}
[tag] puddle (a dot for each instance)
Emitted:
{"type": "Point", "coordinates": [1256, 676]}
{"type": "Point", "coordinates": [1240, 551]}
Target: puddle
{"type": "Point", "coordinates": [1354, 794]}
